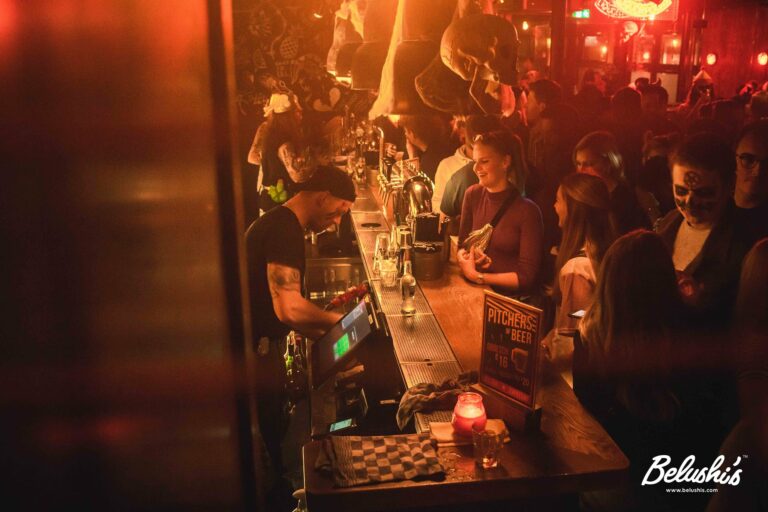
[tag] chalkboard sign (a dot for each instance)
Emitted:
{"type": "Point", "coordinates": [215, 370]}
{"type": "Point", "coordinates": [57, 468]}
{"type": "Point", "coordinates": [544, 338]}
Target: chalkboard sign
{"type": "Point", "coordinates": [510, 357]}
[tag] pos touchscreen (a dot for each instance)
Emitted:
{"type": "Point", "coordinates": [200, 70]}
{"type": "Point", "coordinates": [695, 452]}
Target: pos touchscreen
{"type": "Point", "coordinates": [334, 349]}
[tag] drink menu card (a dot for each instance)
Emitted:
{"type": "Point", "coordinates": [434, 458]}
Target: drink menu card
{"type": "Point", "coordinates": [510, 351]}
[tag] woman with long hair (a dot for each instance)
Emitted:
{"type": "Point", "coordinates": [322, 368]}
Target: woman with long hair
{"type": "Point", "coordinates": [583, 211]}
{"type": "Point", "coordinates": [283, 125]}
{"type": "Point", "coordinates": [598, 154]}
{"type": "Point", "coordinates": [626, 370]}
{"type": "Point", "coordinates": [501, 232]}
{"type": "Point", "coordinates": [628, 330]}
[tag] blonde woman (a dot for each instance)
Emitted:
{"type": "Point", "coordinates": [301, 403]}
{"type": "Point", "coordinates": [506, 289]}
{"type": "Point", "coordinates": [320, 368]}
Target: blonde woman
{"type": "Point", "coordinates": [511, 261]}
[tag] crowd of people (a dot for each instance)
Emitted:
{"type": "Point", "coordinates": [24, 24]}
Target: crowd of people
{"type": "Point", "coordinates": [640, 219]}
{"type": "Point", "coordinates": [649, 222]}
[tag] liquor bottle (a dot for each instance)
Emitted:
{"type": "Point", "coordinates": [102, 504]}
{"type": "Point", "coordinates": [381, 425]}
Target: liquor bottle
{"type": "Point", "coordinates": [296, 377]}
{"type": "Point", "coordinates": [408, 290]}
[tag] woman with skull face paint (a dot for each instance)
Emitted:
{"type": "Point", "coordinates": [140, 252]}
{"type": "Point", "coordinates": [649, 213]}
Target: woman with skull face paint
{"type": "Point", "coordinates": [706, 245]}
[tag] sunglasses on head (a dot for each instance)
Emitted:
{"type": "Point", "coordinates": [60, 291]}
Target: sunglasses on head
{"type": "Point", "coordinates": [485, 137]}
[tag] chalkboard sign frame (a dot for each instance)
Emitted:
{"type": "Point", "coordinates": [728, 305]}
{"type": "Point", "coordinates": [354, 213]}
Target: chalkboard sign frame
{"type": "Point", "coordinates": [526, 398]}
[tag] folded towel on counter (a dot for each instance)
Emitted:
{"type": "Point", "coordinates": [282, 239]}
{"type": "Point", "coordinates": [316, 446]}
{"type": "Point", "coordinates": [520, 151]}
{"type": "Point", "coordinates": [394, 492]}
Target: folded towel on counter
{"type": "Point", "coordinates": [443, 433]}
{"type": "Point", "coordinates": [432, 397]}
{"type": "Point", "coordinates": [358, 460]}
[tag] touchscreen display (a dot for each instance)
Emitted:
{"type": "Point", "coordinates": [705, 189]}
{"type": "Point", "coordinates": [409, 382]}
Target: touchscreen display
{"type": "Point", "coordinates": [329, 351]}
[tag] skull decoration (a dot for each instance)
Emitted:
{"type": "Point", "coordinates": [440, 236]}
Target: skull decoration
{"type": "Point", "coordinates": [481, 41]}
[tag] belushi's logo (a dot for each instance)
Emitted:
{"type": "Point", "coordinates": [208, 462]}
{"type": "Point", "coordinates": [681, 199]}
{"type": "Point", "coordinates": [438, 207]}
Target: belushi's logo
{"type": "Point", "coordinates": [658, 472]}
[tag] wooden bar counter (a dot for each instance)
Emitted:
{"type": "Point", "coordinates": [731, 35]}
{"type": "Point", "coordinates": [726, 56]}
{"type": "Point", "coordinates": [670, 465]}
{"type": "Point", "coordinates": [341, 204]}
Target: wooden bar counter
{"type": "Point", "coordinates": [538, 471]}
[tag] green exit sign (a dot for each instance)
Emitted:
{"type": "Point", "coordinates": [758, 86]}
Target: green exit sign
{"type": "Point", "coordinates": [581, 14]}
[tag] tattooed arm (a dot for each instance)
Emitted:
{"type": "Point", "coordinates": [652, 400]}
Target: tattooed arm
{"type": "Point", "coordinates": [291, 308]}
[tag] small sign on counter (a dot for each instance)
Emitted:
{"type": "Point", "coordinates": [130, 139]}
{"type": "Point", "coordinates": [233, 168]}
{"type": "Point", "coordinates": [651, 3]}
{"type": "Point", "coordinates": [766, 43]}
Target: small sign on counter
{"type": "Point", "coordinates": [509, 361]}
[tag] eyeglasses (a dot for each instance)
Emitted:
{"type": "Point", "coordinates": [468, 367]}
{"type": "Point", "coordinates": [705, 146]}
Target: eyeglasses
{"type": "Point", "coordinates": [749, 161]}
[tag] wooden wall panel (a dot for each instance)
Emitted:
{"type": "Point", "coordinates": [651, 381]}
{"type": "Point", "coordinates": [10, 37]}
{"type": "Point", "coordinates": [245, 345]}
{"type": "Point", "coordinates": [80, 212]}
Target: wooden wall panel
{"type": "Point", "coordinates": [736, 32]}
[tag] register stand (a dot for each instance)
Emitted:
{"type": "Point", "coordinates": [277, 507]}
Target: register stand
{"type": "Point", "coordinates": [356, 386]}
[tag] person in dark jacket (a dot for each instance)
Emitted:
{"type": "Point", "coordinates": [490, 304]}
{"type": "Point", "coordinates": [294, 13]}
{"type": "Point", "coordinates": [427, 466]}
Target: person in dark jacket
{"type": "Point", "coordinates": [707, 248]}
{"type": "Point", "coordinates": [706, 245]}
{"type": "Point", "coordinates": [751, 190]}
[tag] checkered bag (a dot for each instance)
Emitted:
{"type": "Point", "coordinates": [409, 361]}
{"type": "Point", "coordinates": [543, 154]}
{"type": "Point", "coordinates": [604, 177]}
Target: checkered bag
{"type": "Point", "coordinates": [356, 460]}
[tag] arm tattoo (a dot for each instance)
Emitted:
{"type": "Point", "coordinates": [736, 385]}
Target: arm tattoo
{"type": "Point", "coordinates": [282, 278]}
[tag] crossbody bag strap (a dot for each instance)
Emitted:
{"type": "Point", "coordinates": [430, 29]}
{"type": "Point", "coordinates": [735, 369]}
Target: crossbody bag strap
{"type": "Point", "coordinates": [503, 208]}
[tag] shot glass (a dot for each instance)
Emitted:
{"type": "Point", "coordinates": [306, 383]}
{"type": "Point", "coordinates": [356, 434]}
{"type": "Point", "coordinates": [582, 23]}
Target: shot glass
{"type": "Point", "coordinates": [487, 444]}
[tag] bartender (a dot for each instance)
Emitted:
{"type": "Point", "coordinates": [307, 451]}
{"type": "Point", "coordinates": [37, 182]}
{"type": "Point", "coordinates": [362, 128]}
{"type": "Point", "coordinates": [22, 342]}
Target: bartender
{"type": "Point", "coordinates": [276, 262]}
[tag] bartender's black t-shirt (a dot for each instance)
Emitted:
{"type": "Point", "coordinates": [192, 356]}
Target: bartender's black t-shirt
{"type": "Point", "coordinates": [275, 237]}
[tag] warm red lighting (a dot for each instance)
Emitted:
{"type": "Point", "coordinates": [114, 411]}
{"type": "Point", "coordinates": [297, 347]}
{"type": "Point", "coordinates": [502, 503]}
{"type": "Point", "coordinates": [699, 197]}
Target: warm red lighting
{"type": "Point", "coordinates": [762, 58]}
{"type": "Point", "coordinates": [675, 43]}
{"type": "Point", "coordinates": [711, 59]}
{"type": "Point", "coordinates": [646, 56]}
{"type": "Point", "coordinates": [317, 15]}
{"type": "Point", "coordinates": [469, 413]}
{"type": "Point", "coordinates": [604, 50]}
{"type": "Point", "coordinates": [525, 25]}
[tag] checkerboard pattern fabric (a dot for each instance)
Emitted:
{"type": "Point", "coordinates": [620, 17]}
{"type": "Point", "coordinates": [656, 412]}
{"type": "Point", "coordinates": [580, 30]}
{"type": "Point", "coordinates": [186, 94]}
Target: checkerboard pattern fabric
{"type": "Point", "coordinates": [358, 460]}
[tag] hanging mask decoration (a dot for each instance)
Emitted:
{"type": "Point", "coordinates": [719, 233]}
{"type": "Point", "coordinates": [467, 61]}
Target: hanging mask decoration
{"type": "Point", "coordinates": [482, 49]}
{"type": "Point", "coordinates": [481, 42]}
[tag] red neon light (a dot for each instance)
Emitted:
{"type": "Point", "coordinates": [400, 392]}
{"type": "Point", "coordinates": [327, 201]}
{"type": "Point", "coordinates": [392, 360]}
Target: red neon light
{"type": "Point", "coordinates": [647, 9]}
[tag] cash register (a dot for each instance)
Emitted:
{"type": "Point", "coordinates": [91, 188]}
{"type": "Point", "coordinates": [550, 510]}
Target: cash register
{"type": "Point", "coordinates": [354, 362]}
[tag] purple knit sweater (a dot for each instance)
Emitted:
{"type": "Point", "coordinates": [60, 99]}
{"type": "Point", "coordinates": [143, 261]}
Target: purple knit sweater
{"type": "Point", "coordinates": [517, 241]}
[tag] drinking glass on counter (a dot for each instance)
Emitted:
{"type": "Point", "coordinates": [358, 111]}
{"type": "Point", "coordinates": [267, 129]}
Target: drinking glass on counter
{"type": "Point", "coordinates": [388, 273]}
{"type": "Point", "coordinates": [487, 444]}
{"type": "Point", "coordinates": [380, 252]}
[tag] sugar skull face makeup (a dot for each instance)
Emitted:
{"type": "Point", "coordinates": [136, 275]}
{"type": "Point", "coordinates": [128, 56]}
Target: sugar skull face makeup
{"type": "Point", "coordinates": [699, 195]}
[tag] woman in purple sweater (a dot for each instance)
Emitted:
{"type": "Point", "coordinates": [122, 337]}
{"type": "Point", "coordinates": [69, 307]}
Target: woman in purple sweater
{"type": "Point", "coordinates": [511, 261]}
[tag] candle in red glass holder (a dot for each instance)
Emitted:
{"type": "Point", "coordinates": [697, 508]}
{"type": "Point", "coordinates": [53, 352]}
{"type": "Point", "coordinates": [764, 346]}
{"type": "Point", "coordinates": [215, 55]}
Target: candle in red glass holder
{"type": "Point", "coordinates": [468, 413]}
